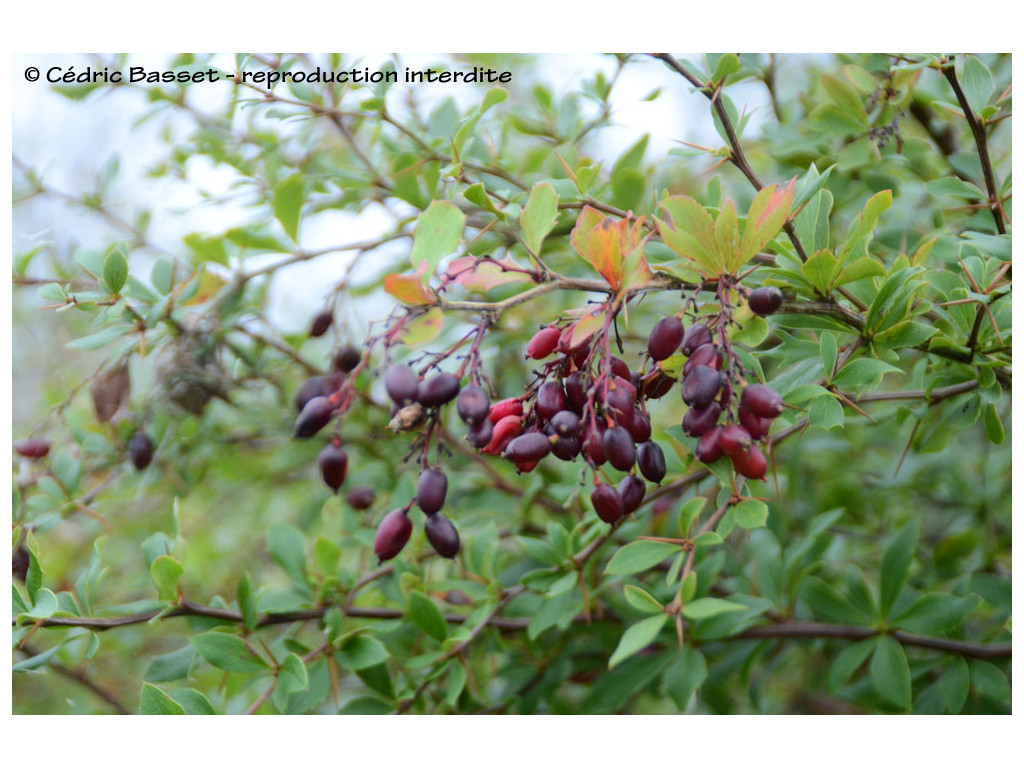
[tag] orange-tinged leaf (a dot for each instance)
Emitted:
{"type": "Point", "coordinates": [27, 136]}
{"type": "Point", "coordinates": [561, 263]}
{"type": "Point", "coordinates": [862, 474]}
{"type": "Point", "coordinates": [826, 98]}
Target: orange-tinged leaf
{"type": "Point", "coordinates": [209, 285]}
{"type": "Point", "coordinates": [585, 329]}
{"type": "Point", "coordinates": [408, 288]}
{"type": "Point", "coordinates": [605, 243]}
{"type": "Point", "coordinates": [484, 274]}
{"type": "Point", "coordinates": [765, 218]}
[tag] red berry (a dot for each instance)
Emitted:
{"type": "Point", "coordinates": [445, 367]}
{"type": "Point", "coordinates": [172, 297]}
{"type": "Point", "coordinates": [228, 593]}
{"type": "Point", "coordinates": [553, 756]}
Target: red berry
{"type": "Point", "coordinates": [504, 431]}
{"type": "Point", "coordinates": [543, 342]}
{"type": "Point", "coordinates": [431, 489]}
{"type": "Point", "coordinates": [765, 300]}
{"type": "Point", "coordinates": [734, 440]}
{"type": "Point", "coordinates": [619, 368]}
{"type": "Point", "coordinates": [314, 416]}
{"type": "Point", "coordinates": [632, 491]}
{"type": "Point", "coordinates": [442, 535]}
{"type": "Point", "coordinates": [401, 383]}
{"type": "Point", "coordinates": [706, 354]}
{"type": "Point", "coordinates": [708, 449]}
{"type": "Point", "coordinates": [665, 338]}
{"type": "Point", "coordinates": [607, 503]}
{"type": "Point", "coordinates": [761, 400]}
{"type": "Point", "coordinates": [511, 406]}
{"type": "Point", "coordinates": [701, 386]}
{"type": "Point", "coordinates": [333, 465]}
{"type": "Point", "coordinates": [550, 399]}
{"type": "Point", "coordinates": [751, 464]}
{"type": "Point", "coordinates": [755, 425]}
{"type": "Point", "coordinates": [320, 324]}
{"type": "Point", "coordinates": [361, 497]}
{"type": "Point", "coordinates": [619, 448]}
{"type": "Point", "coordinates": [473, 404]}
{"type": "Point", "coordinates": [32, 448]}
{"type": "Point", "coordinates": [533, 446]}
{"type": "Point", "coordinates": [392, 534]}
{"type": "Point", "coordinates": [651, 460]}
{"type": "Point", "coordinates": [696, 335]}
{"type": "Point", "coordinates": [439, 389]}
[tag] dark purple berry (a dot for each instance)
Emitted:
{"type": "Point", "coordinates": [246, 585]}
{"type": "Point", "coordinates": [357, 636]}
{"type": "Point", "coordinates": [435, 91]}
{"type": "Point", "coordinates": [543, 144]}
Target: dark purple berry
{"type": "Point", "coordinates": [20, 563]}
{"type": "Point", "coordinates": [550, 399]}
{"type": "Point", "coordinates": [698, 421]}
{"type": "Point", "coordinates": [320, 324]}
{"type": "Point", "coordinates": [593, 443]}
{"type": "Point", "coordinates": [656, 385]}
{"type": "Point", "coordinates": [347, 359]}
{"type": "Point", "coordinates": [734, 440]}
{"type": "Point", "coordinates": [543, 342]}
{"type": "Point", "coordinates": [640, 426]}
{"type": "Point", "coordinates": [533, 446]}
{"type": "Point", "coordinates": [665, 338]}
{"type": "Point", "coordinates": [473, 405]}
{"type": "Point", "coordinates": [32, 448]}
{"type": "Point", "coordinates": [696, 335]}
{"type": "Point", "coordinates": [140, 450]}
{"type": "Point", "coordinates": [314, 416]}
{"type": "Point", "coordinates": [314, 387]}
{"type": "Point", "coordinates": [361, 497]}
{"type": "Point", "coordinates": [706, 354]}
{"type": "Point", "coordinates": [701, 386]}
{"type": "Point", "coordinates": [607, 503]}
{"type": "Point", "coordinates": [708, 450]}
{"type": "Point", "coordinates": [765, 300]}
{"type": "Point", "coordinates": [431, 489]}
{"type": "Point", "coordinates": [751, 463]}
{"type": "Point", "coordinates": [565, 424]}
{"type": "Point", "coordinates": [632, 491]}
{"type": "Point", "coordinates": [620, 369]}
{"type": "Point", "coordinates": [480, 434]}
{"type": "Point", "coordinates": [651, 460]}
{"type": "Point", "coordinates": [761, 400]}
{"type": "Point", "coordinates": [439, 389]}
{"type": "Point", "coordinates": [392, 534]}
{"type": "Point", "coordinates": [576, 391]}
{"type": "Point", "coordinates": [442, 535]}
{"type": "Point", "coordinates": [566, 448]}
{"type": "Point", "coordinates": [619, 448]}
{"type": "Point", "coordinates": [333, 465]}
{"type": "Point", "coordinates": [401, 383]}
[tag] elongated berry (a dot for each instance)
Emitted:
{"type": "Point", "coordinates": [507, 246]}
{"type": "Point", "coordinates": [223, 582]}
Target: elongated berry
{"type": "Point", "coordinates": [651, 460]}
{"type": "Point", "coordinates": [503, 432]}
{"type": "Point", "coordinates": [32, 448]}
{"type": "Point", "coordinates": [620, 368]}
{"type": "Point", "coordinates": [439, 389]}
{"type": "Point", "coordinates": [706, 354]}
{"type": "Point", "coordinates": [593, 443]}
{"type": "Point", "coordinates": [314, 416]}
{"type": "Point", "coordinates": [632, 491]}
{"type": "Point", "coordinates": [640, 426]}
{"type": "Point", "coordinates": [140, 450]}
{"type": "Point", "coordinates": [321, 323]}
{"type": "Point", "coordinates": [696, 335]}
{"type": "Point", "coordinates": [734, 440]}
{"type": "Point", "coordinates": [550, 399]}
{"type": "Point", "coordinates": [361, 497]}
{"type": "Point", "coordinates": [314, 387]}
{"type": "Point", "coordinates": [473, 404]}
{"type": "Point", "coordinates": [755, 425]}
{"type": "Point", "coordinates": [761, 400]}
{"type": "Point", "coordinates": [566, 448]}
{"type": "Point", "coordinates": [765, 300]}
{"type": "Point", "coordinates": [698, 421]}
{"type": "Point", "coordinates": [20, 563]}
{"type": "Point", "coordinates": [565, 424]}
{"type": "Point", "coordinates": [442, 535]}
{"type": "Point", "coordinates": [751, 464]}
{"type": "Point", "coordinates": [656, 385]}
{"type": "Point", "coordinates": [401, 383]}
{"type": "Point", "coordinates": [480, 434]}
{"type": "Point", "coordinates": [511, 406]}
{"type": "Point", "coordinates": [431, 489]}
{"type": "Point", "coordinates": [543, 342]}
{"type": "Point", "coordinates": [619, 448]}
{"type": "Point", "coordinates": [533, 446]}
{"type": "Point", "coordinates": [708, 450]}
{"type": "Point", "coordinates": [392, 534]}
{"type": "Point", "coordinates": [607, 503]}
{"type": "Point", "coordinates": [665, 338]}
{"type": "Point", "coordinates": [701, 386]}
{"type": "Point", "coordinates": [576, 391]}
{"type": "Point", "coordinates": [333, 463]}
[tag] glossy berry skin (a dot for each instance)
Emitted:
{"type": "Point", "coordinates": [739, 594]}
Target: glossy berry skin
{"type": "Point", "coordinates": [656, 385]}
{"type": "Point", "coordinates": [665, 338]}
{"type": "Point", "coordinates": [640, 426]}
{"type": "Point", "coordinates": [550, 399]}
{"type": "Point", "coordinates": [321, 323]}
{"type": "Point", "coordinates": [314, 416]}
{"type": "Point", "coordinates": [701, 386]}
{"type": "Point", "coordinates": [698, 421]}
{"type": "Point", "coordinates": [755, 425]}
{"type": "Point", "coordinates": [593, 444]}
{"type": "Point", "coordinates": [751, 464]}
{"type": "Point", "coordinates": [401, 383]}
{"type": "Point", "coordinates": [566, 448]}
{"type": "Point", "coordinates": [621, 400]}
{"type": "Point", "coordinates": [696, 335]}
{"type": "Point", "coordinates": [140, 450]}
{"type": "Point", "coordinates": [533, 446]}
{"type": "Point", "coordinates": [620, 368]}
{"type": "Point", "coordinates": [439, 389]}
{"type": "Point", "coordinates": [543, 343]}
{"type": "Point", "coordinates": [473, 405]}
{"type": "Point", "coordinates": [361, 497]}
{"type": "Point", "coordinates": [619, 448]}
{"type": "Point", "coordinates": [706, 354]}
{"type": "Point", "coordinates": [32, 448]}
{"type": "Point", "coordinates": [503, 432]}
{"type": "Point", "coordinates": [734, 440]}
{"type": "Point", "coordinates": [761, 400]}
{"type": "Point", "coordinates": [333, 463]}
{"type": "Point", "coordinates": [708, 449]}
{"type": "Point", "coordinates": [511, 406]}
{"type": "Point", "coordinates": [765, 300]}
{"type": "Point", "coordinates": [392, 534]}
{"type": "Point", "coordinates": [565, 424]}
{"type": "Point", "coordinates": [576, 391]}
{"type": "Point", "coordinates": [442, 535]}
{"type": "Point", "coordinates": [607, 503]}
{"type": "Point", "coordinates": [431, 489]}
{"type": "Point", "coordinates": [480, 435]}
{"type": "Point", "coordinates": [651, 460]}
{"type": "Point", "coordinates": [632, 491]}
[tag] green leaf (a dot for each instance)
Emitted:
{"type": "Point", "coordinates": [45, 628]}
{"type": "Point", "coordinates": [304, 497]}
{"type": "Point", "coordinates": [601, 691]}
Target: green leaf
{"type": "Point", "coordinates": [765, 218]}
{"type": "Point", "coordinates": [706, 607]}
{"type": "Point", "coordinates": [45, 604]}
{"type": "Point", "coordinates": [863, 373]}
{"type": "Point", "coordinates": [492, 97]}
{"type": "Point", "coordinates": [955, 685]}
{"type": "Point", "coordinates": [287, 546]}
{"type": "Point", "coordinates": [34, 577]}
{"type": "Point", "coordinates": [829, 352]}
{"type": "Point", "coordinates": [847, 99]}
{"type": "Point", "coordinates": [378, 678]}
{"type": "Point", "coordinates": [326, 556]}
{"type": "Point", "coordinates": [848, 661]}
{"type": "Point", "coordinates": [994, 424]}
{"type": "Point", "coordinates": [751, 513]}
{"type": "Point", "coordinates": [826, 413]}
{"type": "Point", "coordinates": [686, 675]}
{"type": "Point", "coordinates": [427, 616]}
{"type": "Point", "coordinates": [538, 216]}
{"type": "Point", "coordinates": [165, 572]}
{"type": "Point", "coordinates": [859, 237]}
{"type": "Point", "coordinates": [690, 232]}
{"type": "Point", "coordinates": [642, 600]}
{"type": "Point", "coordinates": [812, 225]}
{"type": "Point", "coordinates": [896, 564]}
{"type": "Point", "coordinates": [99, 339]}
{"type": "Point", "coordinates": [193, 702]}
{"type": "Point", "coordinates": [936, 612]}
{"type": "Point", "coordinates": [170, 666]}
{"type": "Point", "coordinates": [360, 652]}
{"type": "Point", "coordinates": [437, 234]}
{"type": "Point", "coordinates": [207, 248]}
{"type": "Point", "coordinates": [954, 186]}
{"type": "Point", "coordinates": [247, 603]}
{"type": "Point", "coordinates": [637, 637]}
{"type": "Point", "coordinates": [639, 556]}
{"type": "Point", "coordinates": [989, 681]}
{"type": "Point", "coordinates": [905, 334]}
{"type": "Point", "coordinates": [228, 652]}
{"type": "Point", "coordinates": [37, 661]}
{"type": "Point", "coordinates": [890, 672]}
{"type": "Point", "coordinates": [976, 81]}
{"type": "Point", "coordinates": [115, 270]}
{"type": "Point", "coordinates": [830, 604]}
{"type": "Point", "coordinates": [289, 195]}
{"type": "Point", "coordinates": [156, 702]}
{"type": "Point", "coordinates": [366, 705]}
{"type": "Point", "coordinates": [293, 676]}
{"type": "Point", "coordinates": [859, 269]}
{"type": "Point", "coordinates": [807, 187]}
{"type": "Point", "coordinates": [725, 66]}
